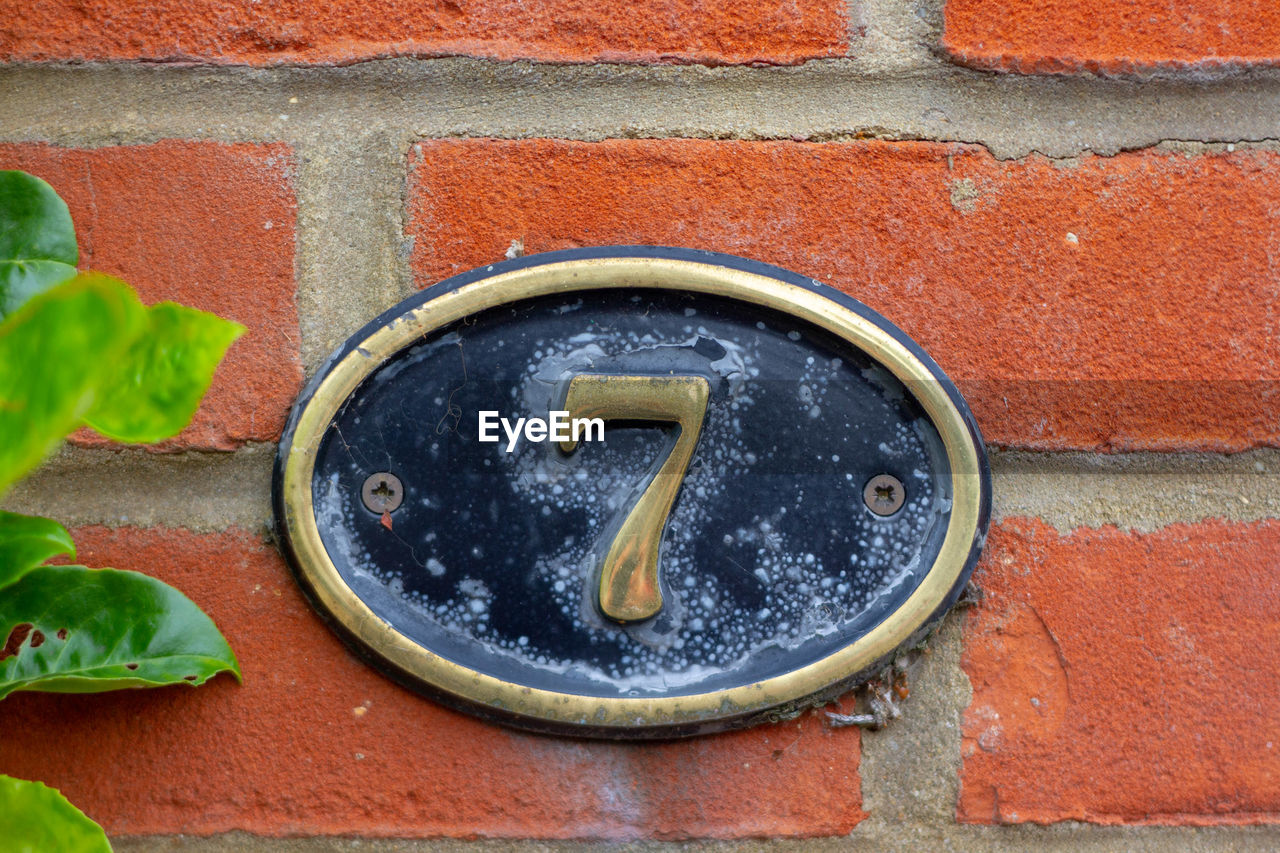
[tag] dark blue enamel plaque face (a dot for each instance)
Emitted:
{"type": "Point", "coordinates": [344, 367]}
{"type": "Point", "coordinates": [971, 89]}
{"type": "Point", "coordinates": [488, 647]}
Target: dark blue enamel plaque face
{"type": "Point", "coordinates": [771, 490]}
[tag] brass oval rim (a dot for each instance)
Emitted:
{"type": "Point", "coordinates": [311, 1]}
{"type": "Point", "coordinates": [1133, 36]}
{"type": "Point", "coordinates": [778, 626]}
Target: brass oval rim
{"type": "Point", "coordinates": [625, 716]}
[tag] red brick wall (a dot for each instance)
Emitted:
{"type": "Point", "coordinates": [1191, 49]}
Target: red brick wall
{"type": "Point", "coordinates": [1124, 677]}
{"type": "Point", "coordinates": [244, 32]}
{"type": "Point", "coordinates": [1112, 36]}
{"type": "Point", "coordinates": [207, 225]}
{"type": "Point", "coordinates": [317, 743]}
{"type": "Point", "coordinates": [1089, 307]}
{"type": "Point", "coordinates": [1082, 306]}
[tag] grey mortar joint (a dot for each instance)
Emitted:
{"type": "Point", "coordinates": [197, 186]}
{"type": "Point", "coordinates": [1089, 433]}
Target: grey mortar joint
{"type": "Point", "coordinates": [352, 253]}
{"type": "Point", "coordinates": [893, 36]}
{"type": "Point", "coordinates": [202, 492]}
{"type": "Point", "coordinates": [1138, 491]}
{"type": "Point", "coordinates": [98, 104]}
{"type": "Point", "coordinates": [905, 838]}
{"type": "Point", "coordinates": [910, 767]}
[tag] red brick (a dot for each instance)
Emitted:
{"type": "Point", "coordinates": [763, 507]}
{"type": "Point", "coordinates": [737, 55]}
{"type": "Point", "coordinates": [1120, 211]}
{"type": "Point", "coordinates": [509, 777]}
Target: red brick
{"type": "Point", "coordinates": [207, 225]}
{"type": "Point", "coordinates": [1125, 677]}
{"type": "Point", "coordinates": [1112, 36]}
{"type": "Point", "coordinates": [345, 31]}
{"type": "Point", "coordinates": [1122, 303]}
{"type": "Point", "coordinates": [291, 752]}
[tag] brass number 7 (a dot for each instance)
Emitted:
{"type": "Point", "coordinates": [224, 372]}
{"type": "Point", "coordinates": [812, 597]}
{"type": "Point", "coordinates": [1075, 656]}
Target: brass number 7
{"type": "Point", "coordinates": [629, 590]}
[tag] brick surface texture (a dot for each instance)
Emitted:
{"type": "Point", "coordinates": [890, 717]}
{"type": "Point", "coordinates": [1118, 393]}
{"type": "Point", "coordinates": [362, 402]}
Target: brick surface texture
{"type": "Point", "coordinates": [246, 32]}
{"type": "Point", "coordinates": [1112, 36]}
{"type": "Point", "coordinates": [1122, 684]}
{"type": "Point", "coordinates": [1106, 304]}
{"type": "Point", "coordinates": [1124, 677]}
{"type": "Point", "coordinates": [207, 225]}
{"type": "Point", "coordinates": [316, 742]}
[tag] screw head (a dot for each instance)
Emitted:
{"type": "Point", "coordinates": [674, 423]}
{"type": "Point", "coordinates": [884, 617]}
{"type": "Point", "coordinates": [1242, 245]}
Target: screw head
{"type": "Point", "coordinates": [382, 492]}
{"type": "Point", "coordinates": [884, 494]}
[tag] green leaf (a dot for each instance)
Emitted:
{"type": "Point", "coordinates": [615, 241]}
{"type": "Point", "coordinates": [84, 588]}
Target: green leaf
{"type": "Point", "coordinates": [37, 240]}
{"type": "Point", "coordinates": [53, 353]}
{"type": "Point", "coordinates": [90, 630]}
{"type": "Point", "coordinates": [27, 541]}
{"type": "Point", "coordinates": [21, 280]}
{"type": "Point", "coordinates": [158, 384]}
{"type": "Point", "coordinates": [35, 818]}
{"type": "Point", "coordinates": [34, 221]}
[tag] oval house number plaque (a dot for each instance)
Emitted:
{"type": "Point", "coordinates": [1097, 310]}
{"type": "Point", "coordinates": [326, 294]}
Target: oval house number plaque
{"type": "Point", "coordinates": [631, 492]}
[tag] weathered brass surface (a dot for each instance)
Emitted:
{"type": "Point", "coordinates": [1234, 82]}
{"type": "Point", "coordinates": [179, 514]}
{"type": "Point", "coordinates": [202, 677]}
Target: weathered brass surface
{"type": "Point", "coordinates": [629, 590]}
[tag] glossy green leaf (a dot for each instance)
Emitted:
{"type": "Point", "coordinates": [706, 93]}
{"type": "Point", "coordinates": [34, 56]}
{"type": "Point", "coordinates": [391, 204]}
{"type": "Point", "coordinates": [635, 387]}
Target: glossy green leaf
{"type": "Point", "coordinates": [27, 541]}
{"type": "Point", "coordinates": [35, 818]}
{"type": "Point", "coordinates": [37, 240]}
{"type": "Point", "coordinates": [156, 387]}
{"type": "Point", "coordinates": [78, 630]}
{"type": "Point", "coordinates": [53, 354]}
